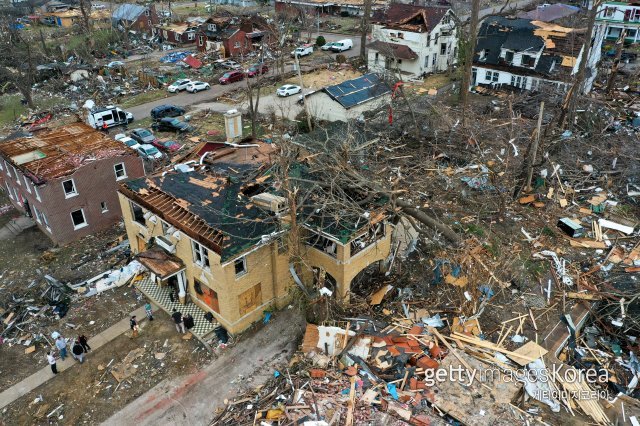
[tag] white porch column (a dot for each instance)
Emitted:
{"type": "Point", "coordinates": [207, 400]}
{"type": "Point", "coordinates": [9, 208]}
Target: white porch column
{"type": "Point", "coordinates": [182, 294]}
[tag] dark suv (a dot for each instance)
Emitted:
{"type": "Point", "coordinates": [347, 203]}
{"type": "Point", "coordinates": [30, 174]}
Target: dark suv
{"type": "Point", "coordinates": [163, 111]}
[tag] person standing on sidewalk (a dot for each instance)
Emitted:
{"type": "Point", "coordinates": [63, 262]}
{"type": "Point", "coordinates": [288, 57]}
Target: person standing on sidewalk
{"type": "Point", "coordinates": [83, 342]}
{"type": "Point", "coordinates": [77, 351]}
{"type": "Point", "coordinates": [52, 362]}
{"type": "Point", "coordinates": [133, 323]}
{"type": "Point", "coordinates": [61, 344]}
{"type": "Point", "coordinates": [149, 311]}
{"type": "Point", "coordinates": [177, 318]}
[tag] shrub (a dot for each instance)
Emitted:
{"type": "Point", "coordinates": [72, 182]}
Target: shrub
{"type": "Point", "coordinates": [341, 59]}
{"type": "Point", "coordinates": [320, 41]}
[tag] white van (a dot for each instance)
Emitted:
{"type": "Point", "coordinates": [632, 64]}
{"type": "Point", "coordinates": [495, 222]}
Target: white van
{"type": "Point", "coordinates": [111, 115]}
{"type": "Point", "coordinates": [342, 45]}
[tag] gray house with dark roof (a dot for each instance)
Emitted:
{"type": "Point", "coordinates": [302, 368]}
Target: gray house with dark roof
{"type": "Point", "coordinates": [135, 17]}
{"type": "Point", "coordinates": [530, 55]}
{"type": "Point", "coordinates": [349, 99]}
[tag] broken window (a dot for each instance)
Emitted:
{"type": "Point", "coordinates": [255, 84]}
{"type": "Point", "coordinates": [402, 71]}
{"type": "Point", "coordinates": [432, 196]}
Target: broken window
{"type": "Point", "coordinates": [103, 207]}
{"type": "Point", "coordinates": [200, 255]}
{"type": "Point", "coordinates": [374, 233]}
{"type": "Point", "coordinates": [250, 299]}
{"type": "Point", "coordinates": [200, 40]}
{"type": "Point", "coordinates": [240, 266]}
{"type": "Point", "coordinates": [176, 36]}
{"type": "Point", "coordinates": [377, 57]}
{"type": "Point", "coordinates": [77, 217]}
{"type": "Point", "coordinates": [69, 188]}
{"type": "Point", "coordinates": [609, 11]}
{"type": "Point", "coordinates": [121, 173]}
{"type": "Point", "coordinates": [138, 214]}
{"type": "Point", "coordinates": [212, 27]}
{"type": "Point", "coordinates": [323, 244]}
{"type": "Point", "coordinates": [165, 227]}
{"type": "Point", "coordinates": [528, 61]}
{"type": "Point", "coordinates": [508, 57]}
{"type": "Point", "coordinates": [443, 48]}
{"type": "Point", "coordinates": [191, 36]}
{"type": "Point", "coordinates": [428, 39]}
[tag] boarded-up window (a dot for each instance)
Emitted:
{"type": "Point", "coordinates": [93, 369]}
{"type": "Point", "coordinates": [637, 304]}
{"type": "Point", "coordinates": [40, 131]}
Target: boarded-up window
{"type": "Point", "coordinates": [250, 299]}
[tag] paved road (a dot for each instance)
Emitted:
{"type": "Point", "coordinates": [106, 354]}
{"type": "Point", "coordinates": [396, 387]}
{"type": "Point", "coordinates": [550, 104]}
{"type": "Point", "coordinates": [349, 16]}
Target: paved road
{"type": "Point", "coordinates": [185, 99]}
{"type": "Point", "coordinates": [192, 399]}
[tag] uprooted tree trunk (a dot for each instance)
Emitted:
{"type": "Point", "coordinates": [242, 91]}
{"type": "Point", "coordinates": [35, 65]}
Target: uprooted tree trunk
{"type": "Point", "coordinates": [424, 218]}
{"type": "Point", "coordinates": [616, 61]}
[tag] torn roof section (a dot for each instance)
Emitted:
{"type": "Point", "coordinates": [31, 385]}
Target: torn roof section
{"type": "Point", "coordinates": [559, 47]}
{"type": "Point", "coordinates": [211, 208]}
{"type": "Point", "coordinates": [410, 18]}
{"type": "Point", "coordinates": [53, 153]}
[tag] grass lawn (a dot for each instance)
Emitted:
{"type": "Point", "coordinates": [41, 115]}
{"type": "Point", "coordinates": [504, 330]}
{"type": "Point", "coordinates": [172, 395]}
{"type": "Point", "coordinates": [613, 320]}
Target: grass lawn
{"type": "Point", "coordinates": [11, 108]}
{"type": "Point", "coordinates": [436, 80]}
{"type": "Point", "coordinates": [143, 98]}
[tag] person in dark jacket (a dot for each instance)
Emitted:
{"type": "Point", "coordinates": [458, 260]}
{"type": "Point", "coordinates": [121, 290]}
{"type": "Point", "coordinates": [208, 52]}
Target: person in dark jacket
{"type": "Point", "coordinates": [178, 319]}
{"type": "Point", "coordinates": [83, 341]}
{"type": "Point", "coordinates": [77, 351]}
{"type": "Point", "coordinates": [133, 323]}
{"type": "Point", "coordinates": [188, 322]}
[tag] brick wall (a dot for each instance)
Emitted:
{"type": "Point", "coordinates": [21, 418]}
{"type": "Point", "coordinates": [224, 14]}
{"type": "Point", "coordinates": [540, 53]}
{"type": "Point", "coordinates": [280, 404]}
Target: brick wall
{"type": "Point", "coordinates": [94, 183]}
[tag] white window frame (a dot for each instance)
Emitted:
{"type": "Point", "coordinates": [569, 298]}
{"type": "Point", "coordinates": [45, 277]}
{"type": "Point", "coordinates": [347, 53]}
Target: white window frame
{"type": "Point", "coordinates": [82, 225]}
{"type": "Point", "coordinates": [15, 193]}
{"type": "Point", "coordinates": [70, 194]}
{"type": "Point", "coordinates": [237, 45]}
{"type": "Point", "coordinates": [212, 27]}
{"type": "Point", "coordinates": [191, 36]}
{"type": "Point", "coordinates": [164, 226]}
{"type": "Point", "coordinates": [17, 176]}
{"type": "Point", "coordinates": [45, 222]}
{"type": "Point", "coordinates": [8, 170]}
{"type": "Point", "coordinates": [147, 12]}
{"type": "Point", "coordinates": [26, 184]}
{"type": "Point", "coordinates": [1, 166]}
{"type": "Point", "coordinates": [176, 36]}
{"type": "Point", "coordinates": [36, 213]}
{"type": "Point", "coordinates": [35, 190]}
{"type": "Point", "coordinates": [200, 255]}
{"type": "Point", "coordinates": [9, 189]}
{"type": "Point", "coordinates": [124, 171]}
{"type": "Point", "coordinates": [244, 271]}
{"type": "Point", "coordinates": [104, 207]}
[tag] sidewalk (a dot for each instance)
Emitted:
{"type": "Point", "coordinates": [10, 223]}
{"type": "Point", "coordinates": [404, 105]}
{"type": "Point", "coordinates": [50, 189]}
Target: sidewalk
{"type": "Point", "coordinates": [44, 374]}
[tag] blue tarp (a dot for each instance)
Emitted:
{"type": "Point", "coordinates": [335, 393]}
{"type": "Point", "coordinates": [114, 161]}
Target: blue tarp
{"type": "Point", "coordinates": [174, 57]}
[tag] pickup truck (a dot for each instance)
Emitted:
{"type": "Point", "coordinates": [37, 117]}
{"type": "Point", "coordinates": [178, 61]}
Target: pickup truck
{"type": "Point", "coordinates": [305, 50]}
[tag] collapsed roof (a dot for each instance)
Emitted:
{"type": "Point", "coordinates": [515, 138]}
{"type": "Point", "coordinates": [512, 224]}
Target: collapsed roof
{"type": "Point", "coordinates": [410, 18]}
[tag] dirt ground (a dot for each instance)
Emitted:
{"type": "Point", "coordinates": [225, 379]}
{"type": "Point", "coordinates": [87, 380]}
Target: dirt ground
{"type": "Point", "coordinates": [90, 393]}
{"type": "Point", "coordinates": [23, 264]}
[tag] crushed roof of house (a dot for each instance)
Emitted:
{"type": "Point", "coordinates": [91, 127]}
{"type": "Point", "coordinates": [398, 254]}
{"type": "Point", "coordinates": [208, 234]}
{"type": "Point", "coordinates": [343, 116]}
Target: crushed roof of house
{"type": "Point", "coordinates": [550, 12]}
{"type": "Point", "coordinates": [177, 28]}
{"type": "Point", "coordinates": [53, 153]}
{"type": "Point", "coordinates": [128, 12]}
{"type": "Point", "coordinates": [411, 18]}
{"type": "Point", "coordinates": [160, 262]}
{"type": "Point", "coordinates": [560, 46]}
{"type": "Point", "coordinates": [357, 91]}
{"type": "Point", "coordinates": [395, 50]}
{"type": "Point", "coordinates": [211, 208]}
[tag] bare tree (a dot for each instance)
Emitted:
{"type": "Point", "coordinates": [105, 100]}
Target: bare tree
{"type": "Point", "coordinates": [469, 50]}
{"type": "Point", "coordinates": [364, 31]}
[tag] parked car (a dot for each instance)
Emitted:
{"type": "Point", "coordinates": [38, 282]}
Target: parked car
{"type": "Point", "coordinates": [256, 69]}
{"type": "Point", "coordinates": [143, 135]}
{"type": "Point", "coordinates": [196, 86]}
{"type": "Point", "coordinates": [169, 124]}
{"type": "Point", "coordinates": [111, 116]}
{"type": "Point", "coordinates": [170, 146]}
{"type": "Point", "coordinates": [130, 142]}
{"type": "Point", "coordinates": [230, 65]}
{"type": "Point", "coordinates": [163, 111]}
{"type": "Point", "coordinates": [120, 136]}
{"type": "Point", "coordinates": [288, 90]}
{"type": "Point", "coordinates": [149, 152]}
{"type": "Point", "coordinates": [179, 85]}
{"type": "Point", "coordinates": [305, 50]}
{"type": "Point", "coordinates": [342, 45]}
{"type": "Point", "coordinates": [231, 77]}
{"type": "Point", "coordinates": [328, 46]}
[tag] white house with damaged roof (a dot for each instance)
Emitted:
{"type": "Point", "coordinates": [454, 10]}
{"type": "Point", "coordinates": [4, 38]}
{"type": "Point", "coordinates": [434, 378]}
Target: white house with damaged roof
{"type": "Point", "coordinates": [531, 55]}
{"type": "Point", "coordinates": [614, 17]}
{"type": "Point", "coordinates": [349, 99]}
{"type": "Point", "coordinates": [413, 40]}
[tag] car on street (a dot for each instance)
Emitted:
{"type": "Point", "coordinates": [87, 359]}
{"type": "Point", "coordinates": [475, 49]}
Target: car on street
{"type": "Point", "coordinates": [328, 46]}
{"type": "Point", "coordinates": [169, 124]}
{"type": "Point", "coordinates": [130, 142]}
{"type": "Point", "coordinates": [115, 64]}
{"type": "Point", "coordinates": [288, 90]}
{"type": "Point", "coordinates": [163, 111]}
{"type": "Point", "coordinates": [230, 65]}
{"type": "Point", "coordinates": [120, 136]}
{"type": "Point", "coordinates": [143, 135]}
{"type": "Point", "coordinates": [342, 45]}
{"type": "Point", "coordinates": [256, 69]}
{"type": "Point", "coordinates": [149, 152]}
{"type": "Point", "coordinates": [231, 77]}
{"type": "Point", "coordinates": [179, 85]}
{"type": "Point", "coordinates": [170, 146]}
{"type": "Point", "coordinates": [304, 50]}
{"type": "Point", "coordinates": [196, 86]}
